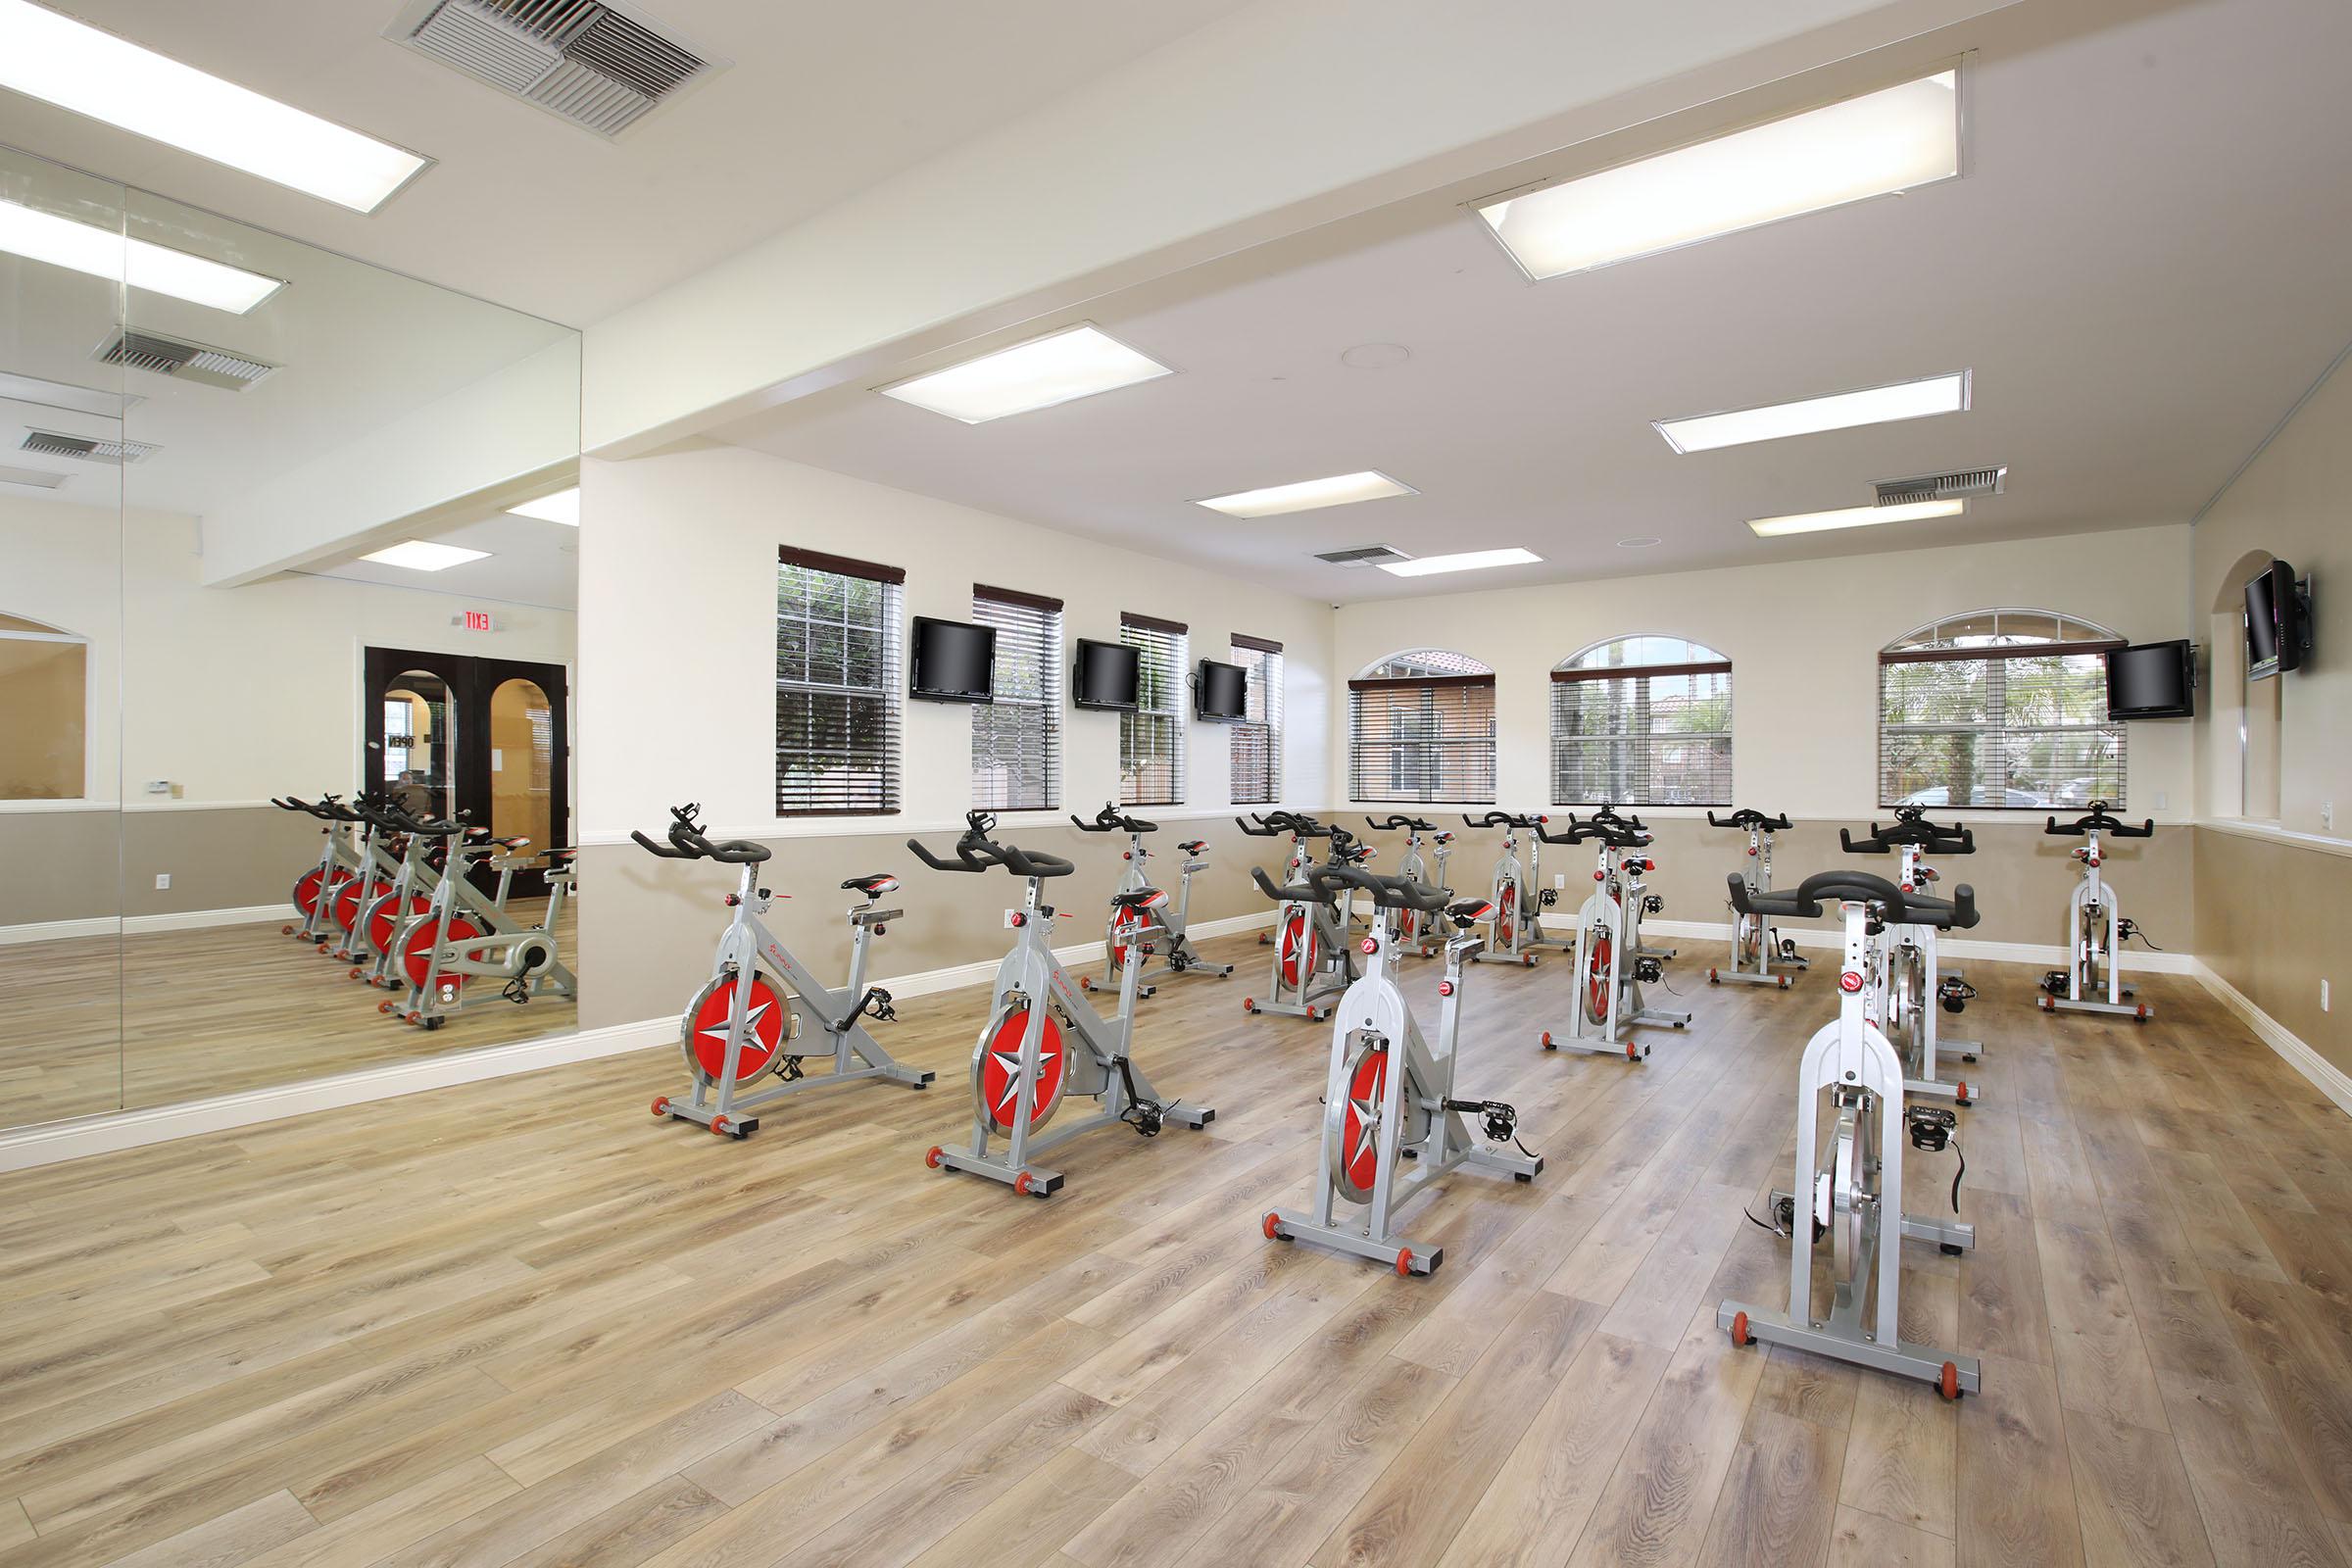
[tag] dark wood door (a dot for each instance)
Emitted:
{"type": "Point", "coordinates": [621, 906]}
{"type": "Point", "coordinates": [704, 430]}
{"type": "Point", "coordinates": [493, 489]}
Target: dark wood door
{"type": "Point", "coordinates": [486, 737]}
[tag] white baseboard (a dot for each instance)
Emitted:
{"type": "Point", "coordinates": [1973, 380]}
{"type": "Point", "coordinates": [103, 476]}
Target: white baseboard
{"type": "Point", "coordinates": [2049, 956]}
{"type": "Point", "coordinates": [2327, 1078]}
{"type": "Point", "coordinates": [55, 1142]}
{"type": "Point", "coordinates": [132, 925]}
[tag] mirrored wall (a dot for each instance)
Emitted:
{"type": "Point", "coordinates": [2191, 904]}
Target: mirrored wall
{"type": "Point", "coordinates": [207, 433]}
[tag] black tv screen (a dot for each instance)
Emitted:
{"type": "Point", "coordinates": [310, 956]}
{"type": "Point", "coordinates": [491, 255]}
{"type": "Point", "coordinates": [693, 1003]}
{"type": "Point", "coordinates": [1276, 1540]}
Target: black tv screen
{"type": "Point", "coordinates": [1222, 690]}
{"type": "Point", "coordinates": [953, 662]}
{"type": "Point", "coordinates": [2274, 630]}
{"type": "Point", "coordinates": [1109, 675]}
{"type": "Point", "coordinates": [2152, 680]}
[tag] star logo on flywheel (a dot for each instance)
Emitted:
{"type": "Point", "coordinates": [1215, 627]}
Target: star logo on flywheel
{"type": "Point", "coordinates": [1008, 1063]}
{"type": "Point", "coordinates": [751, 1019]}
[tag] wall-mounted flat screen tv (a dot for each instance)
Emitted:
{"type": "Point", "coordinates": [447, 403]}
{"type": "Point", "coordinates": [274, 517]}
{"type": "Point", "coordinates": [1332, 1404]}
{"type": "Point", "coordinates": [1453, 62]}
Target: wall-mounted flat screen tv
{"type": "Point", "coordinates": [1221, 692]}
{"type": "Point", "coordinates": [2152, 680]}
{"type": "Point", "coordinates": [2277, 622]}
{"type": "Point", "coordinates": [953, 662]}
{"type": "Point", "coordinates": [1107, 675]}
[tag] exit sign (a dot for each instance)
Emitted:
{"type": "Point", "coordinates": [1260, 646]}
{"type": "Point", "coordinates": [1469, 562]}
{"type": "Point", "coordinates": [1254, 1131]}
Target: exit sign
{"type": "Point", "coordinates": [476, 620]}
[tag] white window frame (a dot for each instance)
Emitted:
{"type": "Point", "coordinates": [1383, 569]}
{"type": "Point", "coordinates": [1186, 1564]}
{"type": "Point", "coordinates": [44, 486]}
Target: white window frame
{"type": "Point", "coordinates": [1152, 636]}
{"type": "Point", "coordinates": [1944, 641]}
{"type": "Point", "coordinates": [1591, 665]}
{"type": "Point", "coordinates": [1011, 611]}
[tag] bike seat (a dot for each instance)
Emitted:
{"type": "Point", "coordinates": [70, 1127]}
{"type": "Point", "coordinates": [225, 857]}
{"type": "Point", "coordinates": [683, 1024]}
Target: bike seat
{"type": "Point", "coordinates": [1194, 847]}
{"type": "Point", "coordinates": [1140, 898]}
{"type": "Point", "coordinates": [873, 887]}
{"type": "Point", "coordinates": [1467, 912]}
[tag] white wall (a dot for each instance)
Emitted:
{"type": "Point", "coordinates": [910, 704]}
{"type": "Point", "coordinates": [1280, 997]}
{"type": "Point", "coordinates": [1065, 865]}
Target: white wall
{"type": "Point", "coordinates": [679, 577]}
{"type": "Point", "coordinates": [1803, 640]}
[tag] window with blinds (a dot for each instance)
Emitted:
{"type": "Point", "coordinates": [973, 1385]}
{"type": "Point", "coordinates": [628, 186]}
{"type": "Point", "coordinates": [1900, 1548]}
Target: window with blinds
{"type": "Point", "coordinates": [1421, 731]}
{"type": "Point", "coordinates": [1641, 721]}
{"type": "Point", "coordinates": [1152, 738]}
{"type": "Point", "coordinates": [2000, 709]}
{"type": "Point", "coordinates": [1258, 737]}
{"type": "Point", "coordinates": [1016, 735]}
{"type": "Point", "coordinates": [837, 685]}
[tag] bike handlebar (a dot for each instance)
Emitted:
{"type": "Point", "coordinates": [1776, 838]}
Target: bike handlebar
{"type": "Point", "coordinates": [2099, 819]}
{"type": "Point", "coordinates": [1388, 892]}
{"type": "Point", "coordinates": [1502, 819]}
{"type": "Point", "coordinates": [1110, 819]}
{"type": "Point", "coordinates": [1273, 824]}
{"type": "Point", "coordinates": [1617, 832]}
{"type": "Point", "coordinates": [975, 850]}
{"type": "Point", "coordinates": [1412, 824]}
{"type": "Point", "coordinates": [1911, 826]}
{"type": "Point", "coordinates": [1747, 818]}
{"type": "Point", "coordinates": [1893, 905]}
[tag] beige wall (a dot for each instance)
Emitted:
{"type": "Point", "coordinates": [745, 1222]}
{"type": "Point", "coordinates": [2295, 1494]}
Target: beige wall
{"type": "Point", "coordinates": [1803, 640]}
{"type": "Point", "coordinates": [2274, 898]}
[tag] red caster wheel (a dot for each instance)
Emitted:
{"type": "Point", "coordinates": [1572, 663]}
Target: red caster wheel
{"type": "Point", "coordinates": [1961, 1096]}
{"type": "Point", "coordinates": [1712, 980]}
{"type": "Point", "coordinates": [1086, 984]}
{"type": "Point", "coordinates": [2050, 1004]}
{"type": "Point", "coordinates": [933, 1157]}
{"type": "Point", "coordinates": [356, 973]}
{"type": "Point", "coordinates": [1272, 1226]}
{"type": "Point", "coordinates": [1021, 1184]}
{"type": "Point", "coordinates": [285, 930]}
{"type": "Point", "coordinates": [1633, 1053]}
{"type": "Point", "coordinates": [416, 1017]}
{"type": "Point", "coordinates": [1740, 1334]}
{"type": "Point", "coordinates": [1404, 1261]}
{"type": "Point", "coordinates": [1249, 1005]}
{"type": "Point", "coordinates": [720, 1126]}
{"type": "Point", "coordinates": [1529, 960]}
{"type": "Point", "coordinates": [1948, 1384]}
{"type": "Point", "coordinates": [2141, 1017]}
{"type": "Point", "coordinates": [1784, 982]}
{"type": "Point", "coordinates": [661, 1105]}
{"type": "Point", "coordinates": [383, 1007]}
{"type": "Point", "coordinates": [1547, 1040]}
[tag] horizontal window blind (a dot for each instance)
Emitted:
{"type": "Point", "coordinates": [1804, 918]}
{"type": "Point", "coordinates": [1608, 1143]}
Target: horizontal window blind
{"type": "Point", "coordinates": [1016, 735]}
{"type": "Point", "coordinates": [1426, 739]}
{"type": "Point", "coordinates": [1152, 738]}
{"type": "Point", "coordinates": [1257, 739]}
{"type": "Point", "coordinates": [2022, 726]}
{"type": "Point", "coordinates": [837, 685]}
{"type": "Point", "coordinates": [1643, 735]}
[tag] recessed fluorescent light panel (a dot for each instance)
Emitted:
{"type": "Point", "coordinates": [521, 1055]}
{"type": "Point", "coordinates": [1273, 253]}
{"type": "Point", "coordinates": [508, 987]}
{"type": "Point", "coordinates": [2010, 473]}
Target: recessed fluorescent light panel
{"type": "Point", "coordinates": [65, 395]}
{"type": "Point", "coordinates": [1469, 561]}
{"type": "Point", "coordinates": [1841, 411]}
{"type": "Point", "coordinates": [63, 62]}
{"type": "Point", "coordinates": [563, 506]}
{"type": "Point", "coordinates": [1854, 518]}
{"type": "Point", "coordinates": [1077, 362]}
{"type": "Point", "coordinates": [106, 253]}
{"type": "Point", "coordinates": [1895, 139]}
{"type": "Point", "coordinates": [422, 555]}
{"type": "Point", "coordinates": [1308, 494]}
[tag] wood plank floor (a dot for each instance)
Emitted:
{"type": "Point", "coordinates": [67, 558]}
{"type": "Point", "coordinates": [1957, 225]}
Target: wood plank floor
{"type": "Point", "coordinates": [523, 1323]}
{"type": "Point", "coordinates": [89, 1025]}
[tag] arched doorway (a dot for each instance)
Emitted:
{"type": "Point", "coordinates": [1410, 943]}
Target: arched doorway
{"type": "Point", "coordinates": [453, 733]}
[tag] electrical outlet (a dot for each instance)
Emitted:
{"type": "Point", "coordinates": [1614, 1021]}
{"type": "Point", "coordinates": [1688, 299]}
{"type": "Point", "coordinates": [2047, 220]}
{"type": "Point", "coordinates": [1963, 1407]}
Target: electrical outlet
{"type": "Point", "coordinates": [159, 786]}
{"type": "Point", "coordinates": [2161, 799]}
{"type": "Point", "coordinates": [163, 881]}
{"type": "Point", "coordinates": [2322, 996]}
{"type": "Point", "coordinates": [1559, 879]}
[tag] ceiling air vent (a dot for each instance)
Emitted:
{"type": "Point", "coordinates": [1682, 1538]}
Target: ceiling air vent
{"type": "Point", "coordinates": [51, 444]}
{"type": "Point", "coordinates": [1942, 486]}
{"type": "Point", "coordinates": [597, 63]}
{"type": "Point", "coordinates": [1361, 555]}
{"type": "Point", "coordinates": [183, 362]}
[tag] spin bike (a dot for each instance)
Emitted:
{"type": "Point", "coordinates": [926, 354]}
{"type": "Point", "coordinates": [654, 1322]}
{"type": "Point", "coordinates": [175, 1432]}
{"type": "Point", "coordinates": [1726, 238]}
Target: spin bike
{"type": "Point", "coordinates": [343, 852]}
{"type": "Point", "coordinates": [1043, 1042]}
{"type": "Point", "coordinates": [1917, 989]}
{"type": "Point", "coordinates": [1388, 1093]}
{"type": "Point", "coordinates": [463, 936]}
{"type": "Point", "coordinates": [1414, 934]}
{"type": "Point", "coordinates": [1119, 928]}
{"type": "Point", "coordinates": [1611, 965]}
{"type": "Point", "coordinates": [2097, 929]}
{"type": "Point", "coordinates": [1313, 958]}
{"type": "Point", "coordinates": [1518, 898]}
{"type": "Point", "coordinates": [1756, 943]}
{"type": "Point", "coordinates": [1852, 1181]}
{"type": "Point", "coordinates": [760, 999]}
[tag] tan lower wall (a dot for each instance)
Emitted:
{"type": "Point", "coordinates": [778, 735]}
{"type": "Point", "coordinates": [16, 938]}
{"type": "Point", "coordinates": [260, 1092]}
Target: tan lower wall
{"type": "Point", "coordinates": [648, 927]}
{"type": "Point", "coordinates": [95, 864]}
{"type": "Point", "coordinates": [2275, 916]}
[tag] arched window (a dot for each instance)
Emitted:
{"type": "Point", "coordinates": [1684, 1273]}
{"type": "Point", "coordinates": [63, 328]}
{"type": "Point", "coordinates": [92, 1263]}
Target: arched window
{"type": "Point", "coordinates": [1641, 721]}
{"type": "Point", "coordinates": [1421, 731]}
{"type": "Point", "coordinates": [2000, 709]}
{"type": "Point", "coordinates": [44, 692]}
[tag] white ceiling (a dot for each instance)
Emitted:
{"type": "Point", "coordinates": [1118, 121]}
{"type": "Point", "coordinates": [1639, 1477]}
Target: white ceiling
{"type": "Point", "coordinates": [2145, 267]}
{"type": "Point", "coordinates": [532, 561]}
{"type": "Point", "coordinates": [821, 100]}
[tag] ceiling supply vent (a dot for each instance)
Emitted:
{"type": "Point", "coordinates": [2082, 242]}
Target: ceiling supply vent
{"type": "Point", "coordinates": [30, 478]}
{"type": "Point", "coordinates": [597, 63]}
{"type": "Point", "coordinates": [184, 361]}
{"type": "Point", "coordinates": [1942, 486]}
{"type": "Point", "coordinates": [117, 453]}
{"type": "Point", "coordinates": [1361, 555]}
